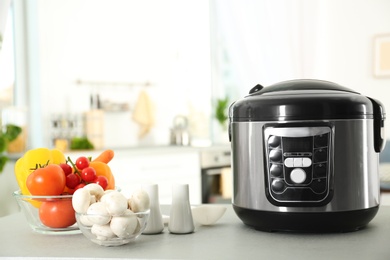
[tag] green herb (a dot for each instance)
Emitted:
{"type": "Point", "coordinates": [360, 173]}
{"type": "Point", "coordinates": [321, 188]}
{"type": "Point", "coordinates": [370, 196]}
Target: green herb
{"type": "Point", "coordinates": [80, 143]}
{"type": "Point", "coordinates": [9, 134]}
{"type": "Point", "coordinates": [221, 113]}
{"type": "Point", "coordinates": [3, 161]}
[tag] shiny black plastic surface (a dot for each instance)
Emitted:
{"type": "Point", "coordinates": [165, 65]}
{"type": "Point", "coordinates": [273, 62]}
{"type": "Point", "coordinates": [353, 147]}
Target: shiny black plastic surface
{"type": "Point", "coordinates": [343, 221]}
{"type": "Point", "coordinates": [301, 100]}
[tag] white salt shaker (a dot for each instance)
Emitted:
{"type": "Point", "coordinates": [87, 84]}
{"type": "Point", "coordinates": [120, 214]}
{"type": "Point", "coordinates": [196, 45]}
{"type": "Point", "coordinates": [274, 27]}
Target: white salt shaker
{"type": "Point", "coordinates": [155, 223]}
{"type": "Point", "coordinates": [180, 219]}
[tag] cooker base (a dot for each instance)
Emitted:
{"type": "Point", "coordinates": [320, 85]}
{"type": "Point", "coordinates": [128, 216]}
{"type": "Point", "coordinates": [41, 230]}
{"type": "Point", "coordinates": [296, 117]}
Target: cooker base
{"type": "Point", "coordinates": [345, 221]}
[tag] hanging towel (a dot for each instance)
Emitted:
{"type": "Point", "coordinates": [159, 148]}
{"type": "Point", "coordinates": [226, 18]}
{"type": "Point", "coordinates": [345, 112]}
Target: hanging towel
{"type": "Point", "coordinates": [143, 114]}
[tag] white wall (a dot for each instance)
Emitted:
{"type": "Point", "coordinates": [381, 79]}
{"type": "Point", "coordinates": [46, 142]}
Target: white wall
{"type": "Point", "coordinates": [348, 51]}
{"type": "Point", "coordinates": [103, 40]}
{"type": "Point", "coordinates": [165, 43]}
{"type": "Point", "coordinates": [348, 36]}
{"type": "Point", "coordinates": [271, 41]}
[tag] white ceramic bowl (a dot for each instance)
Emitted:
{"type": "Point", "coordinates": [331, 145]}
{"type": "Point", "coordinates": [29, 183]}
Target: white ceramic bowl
{"type": "Point", "coordinates": [36, 210]}
{"type": "Point", "coordinates": [118, 231]}
{"type": "Point", "coordinates": [207, 214]}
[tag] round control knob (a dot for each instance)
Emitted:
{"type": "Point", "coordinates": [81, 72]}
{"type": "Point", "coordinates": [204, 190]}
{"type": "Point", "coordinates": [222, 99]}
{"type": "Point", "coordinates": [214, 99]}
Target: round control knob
{"type": "Point", "coordinates": [275, 155]}
{"type": "Point", "coordinates": [277, 185]}
{"type": "Point", "coordinates": [274, 141]}
{"type": "Point", "coordinates": [298, 175]}
{"type": "Point", "coordinates": [276, 170]}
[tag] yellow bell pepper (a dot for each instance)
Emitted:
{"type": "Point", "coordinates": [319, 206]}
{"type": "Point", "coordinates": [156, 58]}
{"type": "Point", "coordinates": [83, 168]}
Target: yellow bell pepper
{"type": "Point", "coordinates": [26, 164]}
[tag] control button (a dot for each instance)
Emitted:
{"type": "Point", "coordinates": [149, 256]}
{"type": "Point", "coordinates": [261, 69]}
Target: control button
{"type": "Point", "coordinates": [277, 185]}
{"type": "Point", "coordinates": [318, 185]}
{"type": "Point", "coordinates": [276, 170]}
{"type": "Point", "coordinates": [298, 176]}
{"type": "Point", "coordinates": [306, 162]}
{"type": "Point", "coordinates": [297, 162]}
{"type": "Point", "coordinates": [319, 170]}
{"type": "Point", "coordinates": [320, 155]}
{"type": "Point", "coordinates": [274, 141]}
{"type": "Point", "coordinates": [289, 162]}
{"type": "Point", "coordinates": [321, 140]}
{"type": "Point", "coordinates": [275, 155]}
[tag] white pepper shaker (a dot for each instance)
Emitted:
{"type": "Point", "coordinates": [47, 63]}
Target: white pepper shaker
{"type": "Point", "coordinates": [155, 223]}
{"type": "Point", "coordinates": [180, 219]}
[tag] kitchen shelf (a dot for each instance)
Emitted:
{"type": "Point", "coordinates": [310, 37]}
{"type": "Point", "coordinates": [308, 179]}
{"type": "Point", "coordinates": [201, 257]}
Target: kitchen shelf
{"type": "Point", "coordinates": [93, 83]}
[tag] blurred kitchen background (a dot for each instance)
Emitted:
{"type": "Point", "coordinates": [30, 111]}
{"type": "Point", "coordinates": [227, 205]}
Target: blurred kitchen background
{"type": "Point", "coordinates": [132, 74]}
{"type": "Point", "coordinates": [62, 59]}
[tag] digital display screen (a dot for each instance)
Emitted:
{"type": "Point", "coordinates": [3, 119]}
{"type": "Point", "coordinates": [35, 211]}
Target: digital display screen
{"type": "Point", "coordinates": [297, 144]}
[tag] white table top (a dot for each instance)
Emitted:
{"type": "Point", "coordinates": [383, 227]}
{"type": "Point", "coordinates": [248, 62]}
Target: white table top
{"type": "Point", "coordinates": [229, 238]}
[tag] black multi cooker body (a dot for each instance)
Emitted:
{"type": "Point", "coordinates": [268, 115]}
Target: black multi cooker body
{"type": "Point", "coordinates": [305, 157]}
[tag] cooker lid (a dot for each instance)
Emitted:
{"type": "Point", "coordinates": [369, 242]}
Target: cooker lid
{"type": "Point", "coordinates": [303, 84]}
{"type": "Point", "coordinates": [302, 100]}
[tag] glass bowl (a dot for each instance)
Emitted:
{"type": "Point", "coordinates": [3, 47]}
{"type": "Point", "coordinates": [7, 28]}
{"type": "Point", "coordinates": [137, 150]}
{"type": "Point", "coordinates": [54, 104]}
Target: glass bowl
{"type": "Point", "coordinates": [113, 230]}
{"type": "Point", "coordinates": [48, 214]}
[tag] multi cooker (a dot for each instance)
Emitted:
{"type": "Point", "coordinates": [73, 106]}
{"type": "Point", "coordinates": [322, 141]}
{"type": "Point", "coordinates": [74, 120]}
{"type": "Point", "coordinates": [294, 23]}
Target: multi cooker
{"type": "Point", "coordinates": [305, 157]}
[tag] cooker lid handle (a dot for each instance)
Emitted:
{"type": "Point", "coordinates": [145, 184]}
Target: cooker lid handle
{"type": "Point", "coordinates": [256, 88]}
{"type": "Point", "coordinates": [379, 125]}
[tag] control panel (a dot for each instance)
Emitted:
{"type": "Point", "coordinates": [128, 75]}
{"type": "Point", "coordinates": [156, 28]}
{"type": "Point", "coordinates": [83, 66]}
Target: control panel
{"type": "Point", "coordinates": [298, 164]}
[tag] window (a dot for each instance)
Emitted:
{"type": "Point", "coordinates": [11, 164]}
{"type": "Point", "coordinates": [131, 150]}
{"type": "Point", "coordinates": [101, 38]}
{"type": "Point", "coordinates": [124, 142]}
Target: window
{"type": "Point", "coordinates": [7, 68]}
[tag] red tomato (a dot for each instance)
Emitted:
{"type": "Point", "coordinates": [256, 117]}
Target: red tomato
{"type": "Point", "coordinates": [47, 181]}
{"type": "Point", "coordinates": [66, 168]}
{"type": "Point", "coordinates": [81, 185]}
{"type": "Point", "coordinates": [88, 174]}
{"type": "Point", "coordinates": [72, 180]}
{"type": "Point", "coordinates": [82, 162]}
{"type": "Point", "coordinates": [102, 181]}
{"type": "Point", "coordinates": [57, 214]}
